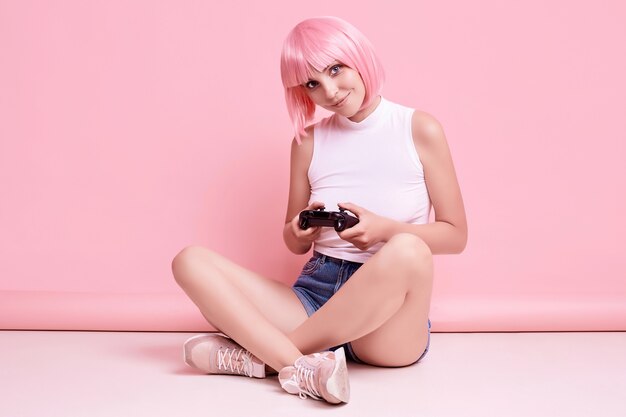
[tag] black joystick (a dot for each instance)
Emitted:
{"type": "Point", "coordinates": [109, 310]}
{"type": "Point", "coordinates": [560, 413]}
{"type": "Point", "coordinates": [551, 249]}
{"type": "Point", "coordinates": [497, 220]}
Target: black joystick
{"type": "Point", "coordinates": [340, 220]}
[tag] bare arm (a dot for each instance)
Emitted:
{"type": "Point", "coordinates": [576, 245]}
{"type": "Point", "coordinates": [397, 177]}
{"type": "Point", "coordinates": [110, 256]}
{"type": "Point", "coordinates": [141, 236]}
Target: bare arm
{"type": "Point", "coordinates": [448, 233]}
{"type": "Point", "coordinates": [299, 241]}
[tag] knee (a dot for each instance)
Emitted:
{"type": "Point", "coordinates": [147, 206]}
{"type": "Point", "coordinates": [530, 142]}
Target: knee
{"type": "Point", "coordinates": [408, 250]}
{"type": "Point", "coordinates": [411, 257]}
{"type": "Point", "coordinates": [186, 261]}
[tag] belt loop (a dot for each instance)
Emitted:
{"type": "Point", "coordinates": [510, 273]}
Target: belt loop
{"type": "Point", "coordinates": [320, 256]}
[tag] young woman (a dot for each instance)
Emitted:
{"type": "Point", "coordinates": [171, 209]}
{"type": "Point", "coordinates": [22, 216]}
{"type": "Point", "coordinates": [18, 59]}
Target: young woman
{"type": "Point", "coordinates": [365, 293]}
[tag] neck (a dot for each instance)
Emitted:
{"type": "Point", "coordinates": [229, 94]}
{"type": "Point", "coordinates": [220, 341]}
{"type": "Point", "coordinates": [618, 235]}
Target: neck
{"type": "Point", "coordinates": [363, 113]}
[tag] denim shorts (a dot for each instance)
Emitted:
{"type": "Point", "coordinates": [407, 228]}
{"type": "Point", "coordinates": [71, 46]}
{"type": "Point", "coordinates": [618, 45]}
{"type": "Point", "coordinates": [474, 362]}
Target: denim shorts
{"type": "Point", "coordinates": [320, 279]}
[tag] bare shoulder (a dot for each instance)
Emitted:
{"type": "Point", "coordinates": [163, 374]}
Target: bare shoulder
{"type": "Point", "coordinates": [427, 131]}
{"type": "Point", "coordinates": [302, 153]}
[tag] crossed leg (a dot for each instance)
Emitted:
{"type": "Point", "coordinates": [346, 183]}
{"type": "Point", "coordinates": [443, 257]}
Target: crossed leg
{"type": "Point", "coordinates": [254, 311]}
{"type": "Point", "coordinates": [383, 305]}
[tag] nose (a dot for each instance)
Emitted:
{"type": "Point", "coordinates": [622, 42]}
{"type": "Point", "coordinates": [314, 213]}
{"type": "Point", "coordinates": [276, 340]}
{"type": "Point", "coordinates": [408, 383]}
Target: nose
{"type": "Point", "coordinates": [330, 89]}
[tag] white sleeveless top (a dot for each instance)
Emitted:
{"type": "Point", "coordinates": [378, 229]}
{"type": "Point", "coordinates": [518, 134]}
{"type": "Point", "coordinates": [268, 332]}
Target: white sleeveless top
{"type": "Point", "coordinates": [373, 164]}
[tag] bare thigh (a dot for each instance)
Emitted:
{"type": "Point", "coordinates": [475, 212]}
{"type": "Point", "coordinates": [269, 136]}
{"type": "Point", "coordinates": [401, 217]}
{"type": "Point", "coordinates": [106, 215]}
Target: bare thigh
{"type": "Point", "coordinates": [399, 342]}
{"type": "Point", "coordinates": [403, 338]}
{"type": "Point", "coordinates": [275, 300]}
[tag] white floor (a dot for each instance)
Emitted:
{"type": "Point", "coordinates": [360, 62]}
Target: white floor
{"type": "Point", "coordinates": [66, 374]}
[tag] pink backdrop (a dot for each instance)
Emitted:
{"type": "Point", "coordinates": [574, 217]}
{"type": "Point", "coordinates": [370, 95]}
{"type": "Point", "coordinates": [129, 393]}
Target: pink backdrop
{"type": "Point", "coordinates": [129, 130]}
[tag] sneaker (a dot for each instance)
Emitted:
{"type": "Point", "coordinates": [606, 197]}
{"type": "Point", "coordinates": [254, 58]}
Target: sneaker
{"type": "Point", "coordinates": [319, 376]}
{"type": "Point", "coordinates": [217, 354]}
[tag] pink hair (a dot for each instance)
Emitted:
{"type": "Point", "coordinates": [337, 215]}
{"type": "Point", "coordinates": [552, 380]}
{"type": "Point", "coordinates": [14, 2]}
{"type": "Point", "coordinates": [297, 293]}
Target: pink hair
{"type": "Point", "coordinates": [315, 44]}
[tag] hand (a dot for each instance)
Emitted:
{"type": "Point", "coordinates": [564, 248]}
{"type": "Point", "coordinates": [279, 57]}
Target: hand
{"type": "Point", "coordinates": [309, 235]}
{"type": "Point", "coordinates": [370, 230]}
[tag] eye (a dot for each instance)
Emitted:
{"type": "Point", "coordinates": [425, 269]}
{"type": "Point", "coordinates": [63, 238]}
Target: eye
{"type": "Point", "coordinates": [309, 85]}
{"type": "Point", "coordinates": [335, 69]}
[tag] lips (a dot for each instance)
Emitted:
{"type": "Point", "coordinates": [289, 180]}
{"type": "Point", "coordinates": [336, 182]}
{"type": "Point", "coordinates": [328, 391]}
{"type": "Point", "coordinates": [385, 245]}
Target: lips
{"type": "Point", "coordinates": [342, 101]}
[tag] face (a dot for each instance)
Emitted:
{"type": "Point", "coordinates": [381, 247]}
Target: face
{"type": "Point", "coordinates": [338, 88]}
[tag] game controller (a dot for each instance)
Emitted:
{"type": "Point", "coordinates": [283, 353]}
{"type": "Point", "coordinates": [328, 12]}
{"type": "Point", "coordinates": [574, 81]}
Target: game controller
{"type": "Point", "coordinates": [340, 220]}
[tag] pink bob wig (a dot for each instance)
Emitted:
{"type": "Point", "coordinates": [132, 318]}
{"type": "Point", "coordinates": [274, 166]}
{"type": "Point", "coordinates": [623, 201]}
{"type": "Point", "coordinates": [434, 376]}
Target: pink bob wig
{"type": "Point", "coordinates": [314, 44]}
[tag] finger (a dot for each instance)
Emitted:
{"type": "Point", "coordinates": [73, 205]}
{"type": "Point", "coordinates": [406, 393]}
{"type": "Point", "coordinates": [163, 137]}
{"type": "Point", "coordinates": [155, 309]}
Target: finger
{"type": "Point", "coordinates": [315, 205]}
{"type": "Point", "coordinates": [309, 233]}
{"type": "Point", "coordinates": [314, 230]}
{"type": "Point", "coordinates": [348, 234]}
{"type": "Point", "coordinates": [352, 207]}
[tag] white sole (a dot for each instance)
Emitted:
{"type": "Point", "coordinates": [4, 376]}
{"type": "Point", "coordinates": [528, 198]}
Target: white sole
{"type": "Point", "coordinates": [338, 384]}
